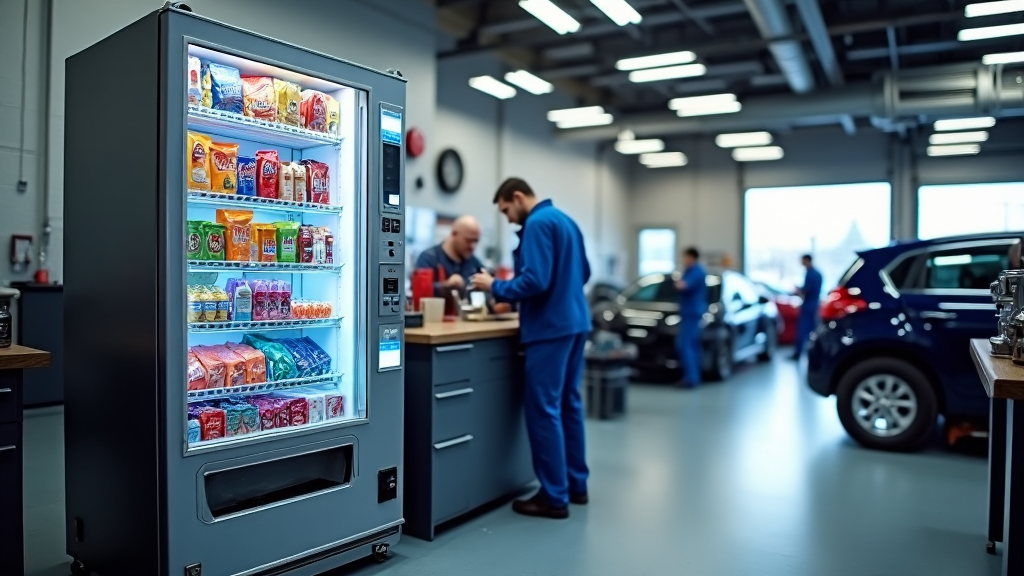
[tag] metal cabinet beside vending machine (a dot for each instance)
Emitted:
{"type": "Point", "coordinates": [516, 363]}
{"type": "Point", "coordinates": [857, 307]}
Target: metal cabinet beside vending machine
{"type": "Point", "coordinates": [209, 432]}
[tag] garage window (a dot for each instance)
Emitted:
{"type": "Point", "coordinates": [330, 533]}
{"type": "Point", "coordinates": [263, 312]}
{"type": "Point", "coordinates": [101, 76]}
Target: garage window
{"type": "Point", "coordinates": [657, 251]}
{"type": "Point", "coordinates": [953, 210]}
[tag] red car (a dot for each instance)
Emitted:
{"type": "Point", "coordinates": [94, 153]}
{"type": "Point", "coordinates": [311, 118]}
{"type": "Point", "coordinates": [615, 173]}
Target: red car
{"type": "Point", "coordinates": [789, 310]}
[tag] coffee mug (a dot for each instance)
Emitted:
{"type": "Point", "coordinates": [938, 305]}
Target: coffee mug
{"type": "Point", "coordinates": [433, 310]}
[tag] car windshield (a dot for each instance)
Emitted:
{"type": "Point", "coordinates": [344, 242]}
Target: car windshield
{"type": "Point", "coordinates": [661, 288]}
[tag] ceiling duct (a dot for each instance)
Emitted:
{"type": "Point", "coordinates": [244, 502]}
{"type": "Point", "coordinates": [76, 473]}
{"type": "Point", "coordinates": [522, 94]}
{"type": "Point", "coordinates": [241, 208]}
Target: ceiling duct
{"type": "Point", "coordinates": [773, 22]}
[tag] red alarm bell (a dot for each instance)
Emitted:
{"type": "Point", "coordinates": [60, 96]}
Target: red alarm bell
{"type": "Point", "coordinates": [416, 144]}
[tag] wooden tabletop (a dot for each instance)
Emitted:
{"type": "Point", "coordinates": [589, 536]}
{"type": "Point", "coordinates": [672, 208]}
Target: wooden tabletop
{"type": "Point", "coordinates": [455, 332]}
{"type": "Point", "coordinates": [1000, 376]}
{"type": "Point", "coordinates": [17, 357]}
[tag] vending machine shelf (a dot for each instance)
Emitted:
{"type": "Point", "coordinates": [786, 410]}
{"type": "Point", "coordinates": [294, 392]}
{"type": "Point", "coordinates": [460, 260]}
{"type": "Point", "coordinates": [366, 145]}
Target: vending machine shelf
{"type": "Point", "coordinates": [264, 325]}
{"type": "Point", "coordinates": [287, 267]}
{"type": "Point", "coordinates": [262, 388]}
{"type": "Point", "coordinates": [241, 127]}
{"type": "Point", "coordinates": [259, 203]}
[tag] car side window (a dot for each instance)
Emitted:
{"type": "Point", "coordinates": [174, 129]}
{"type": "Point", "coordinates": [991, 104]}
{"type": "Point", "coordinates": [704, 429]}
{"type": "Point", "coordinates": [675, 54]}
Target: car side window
{"type": "Point", "coordinates": [901, 274]}
{"type": "Point", "coordinates": [664, 291]}
{"type": "Point", "coordinates": [971, 268]}
{"type": "Point", "coordinates": [745, 288]}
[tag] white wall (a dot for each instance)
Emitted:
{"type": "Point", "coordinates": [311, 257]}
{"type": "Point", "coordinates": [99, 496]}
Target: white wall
{"type": "Point", "coordinates": [392, 34]}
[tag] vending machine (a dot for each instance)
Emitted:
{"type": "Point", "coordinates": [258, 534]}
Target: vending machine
{"type": "Point", "coordinates": [234, 313]}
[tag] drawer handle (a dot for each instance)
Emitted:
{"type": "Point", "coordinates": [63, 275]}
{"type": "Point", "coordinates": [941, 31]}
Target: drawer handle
{"type": "Point", "coordinates": [453, 442]}
{"type": "Point", "coordinates": [454, 348]}
{"type": "Point", "coordinates": [453, 393]}
{"type": "Point", "coordinates": [6, 448]}
{"type": "Point", "coordinates": [5, 390]}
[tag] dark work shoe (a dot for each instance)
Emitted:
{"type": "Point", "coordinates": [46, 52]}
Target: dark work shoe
{"type": "Point", "coordinates": [538, 507]}
{"type": "Point", "coordinates": [580, 499]}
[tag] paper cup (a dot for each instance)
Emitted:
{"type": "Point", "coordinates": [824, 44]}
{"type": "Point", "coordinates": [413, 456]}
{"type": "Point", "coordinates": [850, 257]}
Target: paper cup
{"type": "Point", "coordinates": [433, 310]}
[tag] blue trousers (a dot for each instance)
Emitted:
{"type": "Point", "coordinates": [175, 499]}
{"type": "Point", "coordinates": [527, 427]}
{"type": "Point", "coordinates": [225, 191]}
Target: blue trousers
{"type": "Point", "coordinates": [689, 349]}
{"type": "Point", "coordinates": [805, 325]}
{"type": "Point", "coordinates": [554, 416]}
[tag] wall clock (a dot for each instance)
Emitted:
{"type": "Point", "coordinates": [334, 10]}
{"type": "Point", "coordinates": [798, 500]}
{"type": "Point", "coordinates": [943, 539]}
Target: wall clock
{"type": "Point", "coordinates": [450, 171]}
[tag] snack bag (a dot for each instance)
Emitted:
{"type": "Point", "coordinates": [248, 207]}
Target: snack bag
{"type": "Point", "coordinates": [246, 176]}
{"type": "Point", "coordinates": [195, 307]}
{"type": "Point", "coordinates": [286, 300]}
{"type": "Point", "coordinates": [273, 300]}
{"type": "Point", "coordinates": [306, 244]}
{"type": "Point", "coordinates": [215, 369]}
{"type": "Point", "coordinates": [213, 241]}
{"type": "Point", "coordinates": [298, 410]}
{"type": "Point", "coordinates": [237, 233]}
{"type": "Point", "coordinates": [268, 164]}
{"type": "Point", "coordinates": [223, 304]}
{"type": "Point", "coordinates": [260, 98]}
{"type": "Point", "coordinates": [195, 86]}
{"type": "Point", "coordinates": [234, 365]}
{"type": "Point", "coordinates": [313, 110]}
{"type": "Point", "coordinates": [265, 240]}
{"type": "Point", "coordinates": [314, 405]}
{"type": "Point", "coordinates": [299, 182]}
{"type": "Point", "coordinates": [329, 247]}
{"type": "Point", "coordinates": [280, 364]}
{"type": "Point", "coordinates": [333, 115]}
{"type": "Point", "coordinates": [318, 182]}
{"type": "Point", "coordinates": [206, 83]}
{"type": "Point", "coordinates": [289, 98]}
{"type": "Point", "coordinates": [212, 423]}
{"type": "Point", "coordinates": [226, 84]}
{"type": "Point", "coordinates": [285, 183]}
{"type": "Point", "coordinates": [223, 167]}
{"type": "Point", "coordinates": [198, 160]}
{"type": "Point", "coordinates": [255, 362]}
{"type": "Point", "coordinates": [197, 379]}
{"type": "Point", "coordinates": [207, 304]}
{"type": "Point", "coordinates": [194, 434]}
{"type": "Point", "coordinates": [241, 419]}
{"type": "Point", "coordinates": [287, 241]}
{"type": "Point", "coordinates": [194, 241]}
{"type": "Point", "coordinates": [260, 297]}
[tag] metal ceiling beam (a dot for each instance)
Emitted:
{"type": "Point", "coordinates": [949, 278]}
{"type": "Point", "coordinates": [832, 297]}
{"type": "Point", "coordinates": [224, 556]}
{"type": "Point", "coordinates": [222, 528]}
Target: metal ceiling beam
{"type": "Point", "coordinates": [814, 23]}
{"type": "Point", "coordinates": [773, 22]}
{"type": "Point", "coordinates": [905, 50]}
{"type": "Point", "coordinates": [697, 19]}
{"type": "Point", "coordinates": [894, 50]}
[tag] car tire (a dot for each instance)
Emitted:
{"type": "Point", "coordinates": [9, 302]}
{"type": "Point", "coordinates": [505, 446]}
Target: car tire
{"type": "Point", "coordinates": [721, 358]}
{"type": "Point", "coordinates": [887, 404]}
{"type": "Point", "coordinates": [771, 342]}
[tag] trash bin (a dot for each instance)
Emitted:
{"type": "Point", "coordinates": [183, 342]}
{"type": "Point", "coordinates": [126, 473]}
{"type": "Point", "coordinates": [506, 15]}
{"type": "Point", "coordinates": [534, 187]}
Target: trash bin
{"type": "Point", "coordinates": [606, 378]}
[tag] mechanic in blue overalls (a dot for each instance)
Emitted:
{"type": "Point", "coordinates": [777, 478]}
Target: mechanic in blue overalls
{"type": "Point", "coordinates": [550, 270]}
{"type": "Point", "coordinates": [809, 310]}
{"type": "Point", "coordinates": [693, 304]}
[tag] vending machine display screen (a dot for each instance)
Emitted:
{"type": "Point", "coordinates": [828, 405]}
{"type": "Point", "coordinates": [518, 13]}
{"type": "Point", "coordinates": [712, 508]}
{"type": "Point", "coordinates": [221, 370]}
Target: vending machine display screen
{"type": "Point", "coordinates": [392, 175]}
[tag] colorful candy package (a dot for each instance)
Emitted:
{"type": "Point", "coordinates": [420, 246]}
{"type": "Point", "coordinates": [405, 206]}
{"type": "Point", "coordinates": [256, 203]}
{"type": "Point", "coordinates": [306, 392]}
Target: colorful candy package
{"type": "Point", "coordinates": [212, 423]}
{"type": "Point", "coordinates": [287, 241]}
{"type": "Point", "coordinates": [289, 98]}
{"type": "Point", "coordinates": [198, 160]}
{"type": "Point", "coordinates": [195, 86]}
{"type": "Point", "coordinates": [298, 410]}
{"type": "Point", "coordinates": [213, 241]}
{"type": "Point", "coordinates": [313, 110]}
{"type": "Point", "coordinates": [268, 164]}
{"type": "Point", "coordinates": [197, 378]}
{"type": "Point", "coordinates": [260, 98]}
{"type": "Point", "coordinates": [223, 167]}
{"type": "Point", "coordinates": [280, 364]}
{"type": "Point", "coordinates": [246, 176]}
{"type": "Point", "coordinates": [194, 434]}
{"type": "Point", "coordinates": [215, 369]}
{"type": "Point", "coordinates": [241, 419]}
{"type": "Point", "coordinates": [237, 234]}
{"type": "Point", "coordinates": [226, 85]}
{"type": "Point", "coordinates": [318, 182]}
{"type": "Point", "coordinates": [255, 362]}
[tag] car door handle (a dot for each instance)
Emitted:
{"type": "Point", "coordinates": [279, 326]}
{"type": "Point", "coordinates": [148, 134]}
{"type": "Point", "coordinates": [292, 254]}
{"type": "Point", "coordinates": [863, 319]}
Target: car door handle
{"type": "Point", "coordinates": [933, 315]}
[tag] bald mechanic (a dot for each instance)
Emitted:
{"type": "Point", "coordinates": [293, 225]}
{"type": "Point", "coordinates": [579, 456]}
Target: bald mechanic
{"type": "Point", "coordinates": [550, 270]}
{"type": "Point", "coordinates": [453, 259]}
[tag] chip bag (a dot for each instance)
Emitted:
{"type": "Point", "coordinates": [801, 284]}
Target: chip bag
{"type": "Point", "coordinates": [227, 88]}
{"type": "Point", "coordinates": [197, 378]}
{"type": "Point", "coordinates": [299, 182]}
{"type": "Point", "coordinates": [223, 167]}
{"type": "Point", "coordinates": [265, 240]}
{"type": "Point", "coordinates": [333, 115]}
{"type": "Point", "coordinates": [237, 234]}
{"type": "Point", "coordinates": [313, 110]}
{"type": "Point", "coordinates": [213, 241]}
{"type": "Point", "coordinates": [215, 370]}
{"type": "Point", "coordinates": [246, 176]}
{"type": "Point", "coordinates": [234, 365]}
{"type": "Point", "coordinates": [260, 98]}
{"type": "Point", "coordinates": [255, 362]}
{"type": "Point", "coordinates": [195, 86]}
{"type": "Point", "coordinates": [289, 98]}
{"type": "Point", "coordinates": [268, 165]}
{"type": "Point", "coordinates": [280, 364]}
{"type": "Point", "coordinates": [287, 241]}
{"type": "Point", "coordinates": [318, 182]}
{"type": "Point", "coordinates": [194, 240]}
{"type": "Point", "coordinates": [286, 182]}
{"type": "Point", "coordinates": [198, 160]}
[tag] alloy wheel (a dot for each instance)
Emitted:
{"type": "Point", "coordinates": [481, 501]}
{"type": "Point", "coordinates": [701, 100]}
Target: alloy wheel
{"type": "Point", "coordinates": [884, 405]}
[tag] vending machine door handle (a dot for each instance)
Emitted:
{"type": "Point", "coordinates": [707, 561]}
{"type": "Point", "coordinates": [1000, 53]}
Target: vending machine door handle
{"type": "Point", "coordinates": [453, 442]}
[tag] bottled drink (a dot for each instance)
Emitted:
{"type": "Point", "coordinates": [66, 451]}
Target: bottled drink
{"type": "Point", "coordinates": [242, 302]}
{"type": "Point", "coordinates": [5, 325]}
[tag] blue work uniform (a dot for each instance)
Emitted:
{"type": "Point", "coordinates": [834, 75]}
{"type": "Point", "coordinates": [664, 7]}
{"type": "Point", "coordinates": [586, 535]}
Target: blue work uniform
{"type": "Point", "coordinates": [550, 270]}
{"type": "Point", "coordinates": [437, 260]}
{"type": "Point", "coordinates": [809, 310]}
{"type": "Point", "coordinates": [693, 303]}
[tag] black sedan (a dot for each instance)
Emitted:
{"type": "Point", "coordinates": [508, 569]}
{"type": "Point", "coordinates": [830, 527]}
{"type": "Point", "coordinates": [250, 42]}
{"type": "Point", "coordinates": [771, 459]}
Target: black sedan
{"type": "Point", "coordinates": [740, 323]}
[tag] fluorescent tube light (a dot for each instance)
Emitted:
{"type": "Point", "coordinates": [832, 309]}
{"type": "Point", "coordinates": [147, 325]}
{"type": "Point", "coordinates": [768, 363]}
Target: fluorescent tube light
{"type": "Point", "coordinates": [555, 18]}
{"type": "Point", "coordinates": [492, 86]}
{"type": "Point", "coordinates": [990, 8]}
{"type": "Point", "coordinates": [529, 82]}
{"type": "Point", "coordinates": [1004, 58]}
{"type": "Point", "coordinates": [584, 121]}
{"type": "Point", "coordinates": [758, 154]}
{"type": "Point", "coordinates": [656, 60]}
{"type": "Point", "coordinates": [958, 137]}
{"type": "Point", "coordinates": [701, 101]}
{"type": "Point", "coordinates": [723, 108]}
{"type": "Point", "coordinates": [667, 73]}
{"type": "Point", "coordinates": [957, 150]}
{"type": "Point", "coordinates": [964, 124]}
{"type": "Point", "coordinates": [639, 146]}
{"type": "Point", "coordinates": [743, 139]}
{"type": "Point", "coordinates": [619, 11]}
{"type": "Point", "coordinates": [990, 32]}
{"type": "Point", "coordinates": [573, 113]}
{"type": "Point", "coordinates": [663, 159]}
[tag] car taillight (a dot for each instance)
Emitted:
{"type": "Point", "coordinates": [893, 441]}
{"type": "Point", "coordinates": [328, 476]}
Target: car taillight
{"type": "Point", "coordinates": [840, 303]}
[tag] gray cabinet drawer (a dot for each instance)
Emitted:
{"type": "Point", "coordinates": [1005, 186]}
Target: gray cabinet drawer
{"type": "Point", "coordinates": [8, 399]}
{"type": "Point", "coordinates": [453, 363]}
{"type": "Point", "coordinates": [11, 535]}
{"type": "Point", "coordinates": [452, 480]}
{"type": "Point", "coordinates": [455, 408]}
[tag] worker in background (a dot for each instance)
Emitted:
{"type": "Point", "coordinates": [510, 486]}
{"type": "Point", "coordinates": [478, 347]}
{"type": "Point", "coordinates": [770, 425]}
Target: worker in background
{"type": "Point", "coordinates": [550, 270]}
{"type": "Point", "coordinates": [693, 304]}
{"type": "Point", "coordinates": [809, 313]}
{"type": "Point", "coordinates": [453, 261]}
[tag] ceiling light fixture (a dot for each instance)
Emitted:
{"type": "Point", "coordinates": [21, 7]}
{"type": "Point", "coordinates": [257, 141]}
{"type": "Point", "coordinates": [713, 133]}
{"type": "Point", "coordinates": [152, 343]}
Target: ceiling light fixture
{"type": "Point", "coordinates": [584, 121]}
{"type": "Point", "coordinates": [958, 137]}
{"type": "Point", "coordinates": [990, 8]}
{"type": "Point", "coordinates": [663, 159]}
{"type": "Point", "coordinates": [964, 124]}
{"type": "Point", "coordinates": [1004, 58]}
{"type": "Point", "coordinates": [619, 11]}
{"type": "Point", "coordinates": [529, 82]}
{"type": "Point", "coordinates": [758, 154]}
{"type": "Point", "coordinates": [957, 150]}
{"type": "Point", "coordinates": [743, 139]}
{"type": "Point", "coordinates": [551, 15]}
{"type": "Point", "coordinates": [574, 113]}
{"type": "Point", "coordinates": [492, 86]}
{"type": "Point", "coordinates": [723, 108]}
{"type": "Point", "coordinates": [656, 60]}
{"type": "Point", "coordinates": [990, 32]}
{"type": "Point", "coordinates": [700, 101]}
{"type": "Point", "coordinates": [639, 146]}
{"type": "Point", "coordinates": [667, 73]}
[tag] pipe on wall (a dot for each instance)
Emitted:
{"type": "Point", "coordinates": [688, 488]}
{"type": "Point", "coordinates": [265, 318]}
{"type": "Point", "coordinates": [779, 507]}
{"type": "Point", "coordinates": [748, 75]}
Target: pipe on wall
{"type": "Point", "coordinates": [772, 20]}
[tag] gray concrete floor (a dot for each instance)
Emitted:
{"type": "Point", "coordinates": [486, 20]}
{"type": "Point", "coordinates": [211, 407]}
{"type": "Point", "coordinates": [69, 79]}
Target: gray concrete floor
{"type": "Point", "coordinates": [754, 477]}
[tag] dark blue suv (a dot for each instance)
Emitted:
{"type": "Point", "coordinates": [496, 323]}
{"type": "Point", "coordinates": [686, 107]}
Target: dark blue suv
{"type": "Point", "coordinates": [893, 343]}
